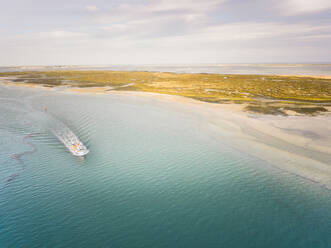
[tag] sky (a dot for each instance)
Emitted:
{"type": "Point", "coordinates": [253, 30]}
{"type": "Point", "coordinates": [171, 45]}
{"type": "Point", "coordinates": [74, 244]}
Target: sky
{"type": "Point", "coordinates": [108, 32]}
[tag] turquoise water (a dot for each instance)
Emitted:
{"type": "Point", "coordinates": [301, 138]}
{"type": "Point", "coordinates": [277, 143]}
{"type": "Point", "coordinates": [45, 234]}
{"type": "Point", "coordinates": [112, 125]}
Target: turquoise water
{"type": "Point", "coordinates": [156, 176]}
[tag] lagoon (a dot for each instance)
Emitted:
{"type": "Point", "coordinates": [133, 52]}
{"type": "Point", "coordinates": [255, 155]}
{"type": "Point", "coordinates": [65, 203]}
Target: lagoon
{"type": "Point", "coordinates": [157, 175]}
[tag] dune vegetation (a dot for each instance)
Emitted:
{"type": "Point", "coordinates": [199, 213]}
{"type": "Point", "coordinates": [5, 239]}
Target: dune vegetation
{"type": "Point", "coordinates": [266, 94]}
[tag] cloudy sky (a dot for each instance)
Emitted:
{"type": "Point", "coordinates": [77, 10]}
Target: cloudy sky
{"type": "Point", "coordinates": [86, 32]}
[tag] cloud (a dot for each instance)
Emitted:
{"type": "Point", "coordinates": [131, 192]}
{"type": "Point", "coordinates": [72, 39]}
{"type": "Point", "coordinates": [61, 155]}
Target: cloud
{"type": "Point", "coordinates": [232, 42]}
{"type": "Point", "coordinates": [91, 8]}
{"type": "Point", "coordinates": [188, 5]}
{"type": "Point", "coordinates": [60, 34]}
{"type": "Point", "coordinates": [148, 31]}
{"type": "Point", "coordinates": [299, 7]}
{"type": "Point", "coordinates": [158, 18]}
{"type": "Point", "coordinates": [200, 36]}
{"type": "Point", "coordinates": [190, 9]}
{"type": "Point", "coordinates": [247, 35]}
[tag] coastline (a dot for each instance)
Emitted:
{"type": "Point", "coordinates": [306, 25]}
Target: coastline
{"type": "Point", "coordinates": [306, 76]}
{"type": "Point", "coordinates": [300, 145]}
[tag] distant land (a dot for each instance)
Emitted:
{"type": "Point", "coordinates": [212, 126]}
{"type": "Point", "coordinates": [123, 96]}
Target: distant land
{"type": "Point", "coordinates": [319, 69]}
{"type": "Point", "coordinates": [266, 94]}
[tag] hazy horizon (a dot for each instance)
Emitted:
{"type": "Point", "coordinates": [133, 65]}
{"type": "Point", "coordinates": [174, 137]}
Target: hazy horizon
{"type": "Point", "coordinates": [175, 64]}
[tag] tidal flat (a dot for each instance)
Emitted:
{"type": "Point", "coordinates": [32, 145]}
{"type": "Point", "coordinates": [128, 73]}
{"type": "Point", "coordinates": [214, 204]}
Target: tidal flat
{"type": "Point", "coordinates": [265, 94]}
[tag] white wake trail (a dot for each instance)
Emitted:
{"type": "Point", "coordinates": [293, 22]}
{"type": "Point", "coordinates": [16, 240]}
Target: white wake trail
{"type": "Point", "coordinates": [66, 136]}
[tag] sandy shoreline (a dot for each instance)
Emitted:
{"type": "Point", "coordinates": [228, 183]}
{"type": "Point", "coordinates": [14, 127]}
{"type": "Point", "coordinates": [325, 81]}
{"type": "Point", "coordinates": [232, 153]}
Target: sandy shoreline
{"type": "Point", "coordinates": [300, 145]}
{"type": "Point", "coordinates": [307, 76]}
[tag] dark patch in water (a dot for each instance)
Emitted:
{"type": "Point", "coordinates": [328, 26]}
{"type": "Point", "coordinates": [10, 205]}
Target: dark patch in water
{"type": "Point", "coordinates": [18, 157]}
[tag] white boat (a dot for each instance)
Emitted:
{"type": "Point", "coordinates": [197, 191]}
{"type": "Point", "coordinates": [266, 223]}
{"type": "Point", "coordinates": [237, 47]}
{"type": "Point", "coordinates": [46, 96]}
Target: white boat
{"type": "Point", "coordinates": [74, 145]}
{"type": "Point", "coordinates": [79, 150]}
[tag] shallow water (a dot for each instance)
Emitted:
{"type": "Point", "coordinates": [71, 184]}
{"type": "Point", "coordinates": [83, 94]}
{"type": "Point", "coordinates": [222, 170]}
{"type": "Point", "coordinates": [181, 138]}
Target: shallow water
{"type": "Point", "coordinates": [156, 176]}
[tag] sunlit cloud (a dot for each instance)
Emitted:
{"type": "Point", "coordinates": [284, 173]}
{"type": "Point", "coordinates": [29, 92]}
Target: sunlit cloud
{"type": "Point", "coordinates": [91, 8]}
{"type": "Point", "coordinates": [299, 7]}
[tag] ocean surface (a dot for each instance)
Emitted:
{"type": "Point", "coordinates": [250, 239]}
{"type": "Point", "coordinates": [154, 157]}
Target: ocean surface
{"type": "Point", "coordinates": [265, 69]}
{"type": "Point", "coordinates": [156, 176]}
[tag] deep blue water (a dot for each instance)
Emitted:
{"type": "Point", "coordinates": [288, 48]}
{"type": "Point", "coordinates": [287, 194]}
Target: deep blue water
{"type": "Point", "coordinates": [156, 176]}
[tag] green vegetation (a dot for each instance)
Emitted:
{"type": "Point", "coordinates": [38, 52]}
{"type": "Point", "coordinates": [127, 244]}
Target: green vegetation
{"type": "Point", "coordinates": [307, 110]}
{"type": "Point", "coordinates": [263, 94]}
{"type": "Point", "coordinates": [281, 108]}
{"type": "Point", "coordinates": [265, 109]}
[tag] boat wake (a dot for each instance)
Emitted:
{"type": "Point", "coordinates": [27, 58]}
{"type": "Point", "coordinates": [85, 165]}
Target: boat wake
{"type": "Point", "coordinates": [66, 136]}
{"type": "Point", "coordinates": [23, 123]}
